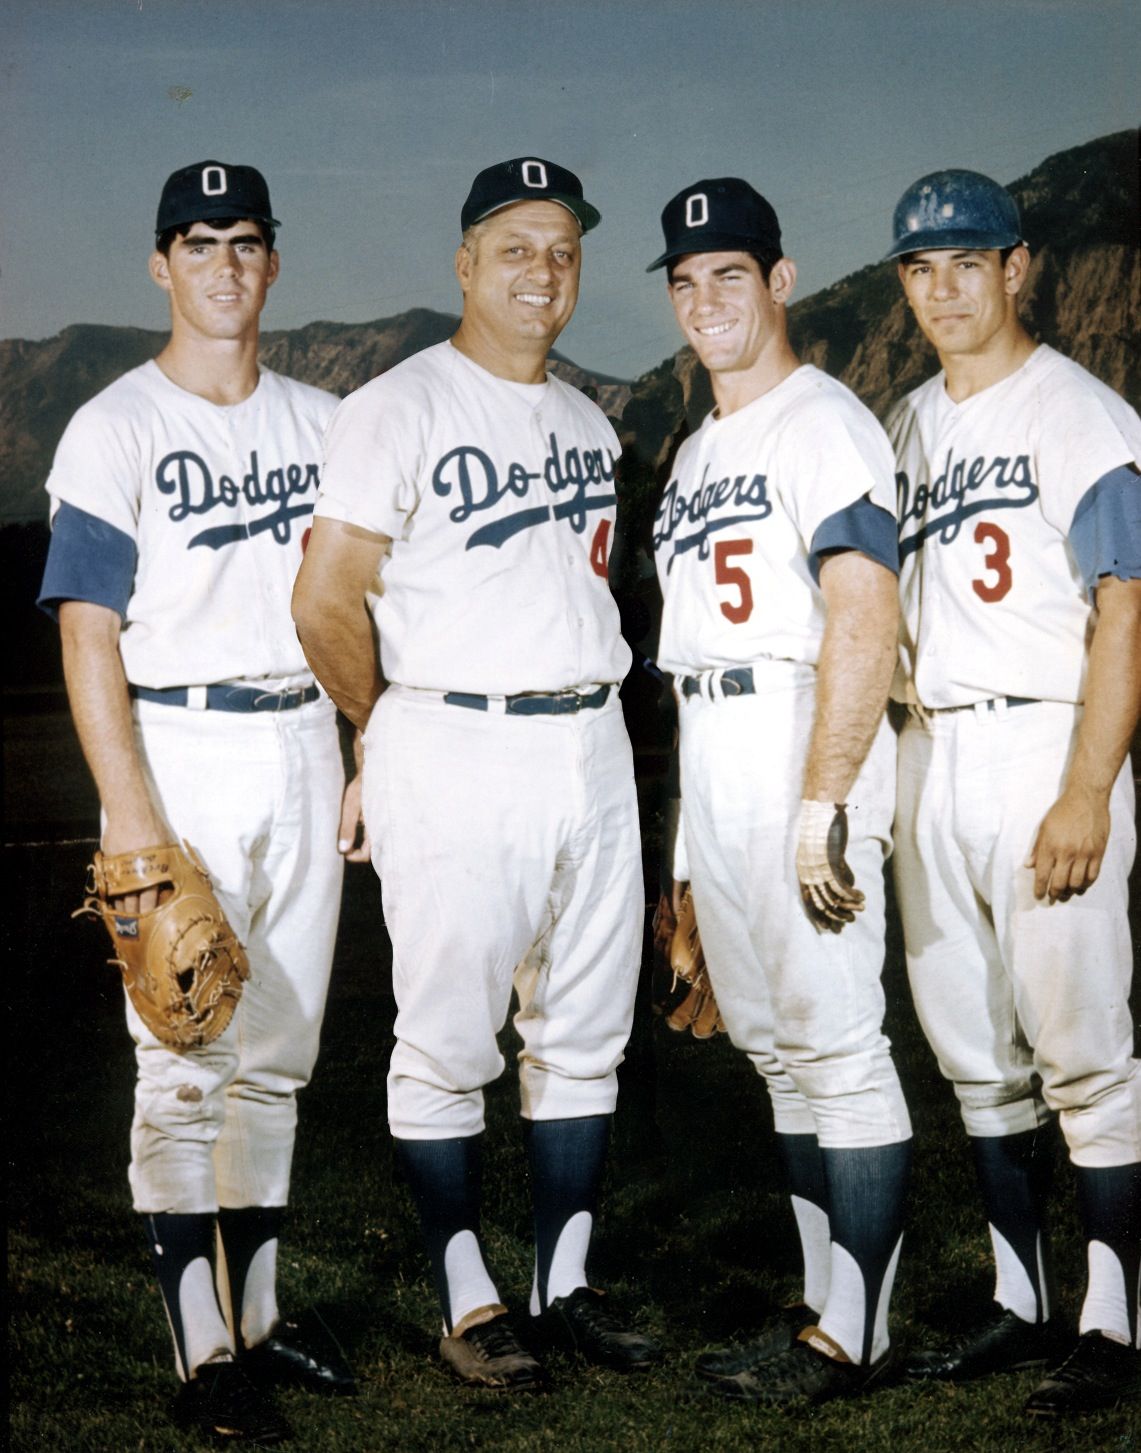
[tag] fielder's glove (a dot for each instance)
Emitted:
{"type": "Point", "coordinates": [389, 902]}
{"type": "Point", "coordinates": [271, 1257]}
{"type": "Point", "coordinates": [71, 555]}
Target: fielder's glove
{"type": "Point", "coordinates": [181, 963]}
{"type": "Point", "coordinates": [827, 884]}
{"type": "Point", "coordinates": [686, 1000]}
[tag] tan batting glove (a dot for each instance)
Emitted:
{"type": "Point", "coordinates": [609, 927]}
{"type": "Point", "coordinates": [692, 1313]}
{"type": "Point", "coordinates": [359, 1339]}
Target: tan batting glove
{"type": "Point", "coordinates": [827, 884]}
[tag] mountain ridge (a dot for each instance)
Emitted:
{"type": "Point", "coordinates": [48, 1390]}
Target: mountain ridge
{"type": "Point", "coordinates": [1080, 215]}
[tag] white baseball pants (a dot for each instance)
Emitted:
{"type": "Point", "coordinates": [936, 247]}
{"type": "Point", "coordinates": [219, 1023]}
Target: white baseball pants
{"type": "Point", "coordinates": [1025, 1003]}
{"type": "Point", "coordinates": [509, 853]}
{"type": "Point", "coordinates": [257, 796]}
{"type": "Point", "coordinates": [806, 1007]}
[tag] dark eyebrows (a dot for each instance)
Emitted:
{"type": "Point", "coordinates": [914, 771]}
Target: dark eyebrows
{"type": "Point", "coordinates": [213, 239]}
{"type": "Point", "coordinates": [509, 238]}
{"type": "Point", "coordinates": [924, 258]}
{"type": "Point", "coordinates": [679, 275]}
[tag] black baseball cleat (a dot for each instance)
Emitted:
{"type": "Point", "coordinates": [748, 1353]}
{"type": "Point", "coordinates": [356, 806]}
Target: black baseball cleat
{"type": "Point", "coordinates": [1002, 1342]}
{"type": "Point", "coordinates": [804, 1374]}
{"type": "Point", "coordinates": [581, 1322]}
{"type": "Point", "coordinates": [293, 1356]}
{"type": "Point", "coordinates": [488, 1355]}
{"type": "Point", "coordinates": [1098, 1373]}
{"type": "Point", "coordinates": [221, 1402]}
{"type": "Point", "coordinates": [776, 1336]}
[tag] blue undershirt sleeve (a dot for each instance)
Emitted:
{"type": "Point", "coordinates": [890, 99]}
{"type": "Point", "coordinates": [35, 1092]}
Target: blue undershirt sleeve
{"type": "Point", "coordinates": [861, 526]}
{"type": "Point", "coordinates": [1105, 535]}
{"type": "Point", "coordinates": [88, 559]}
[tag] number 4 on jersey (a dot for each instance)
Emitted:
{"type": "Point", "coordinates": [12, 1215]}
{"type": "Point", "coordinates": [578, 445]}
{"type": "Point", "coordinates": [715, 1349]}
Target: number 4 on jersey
{"type": "Point", "coordinates": [598, 551]}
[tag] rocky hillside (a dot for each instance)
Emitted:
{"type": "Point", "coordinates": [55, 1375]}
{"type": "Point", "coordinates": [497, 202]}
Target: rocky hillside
{"type": "Point", "coordinates": [43, 383]}
{"type": "Point", "coordinates": [1080, 215]}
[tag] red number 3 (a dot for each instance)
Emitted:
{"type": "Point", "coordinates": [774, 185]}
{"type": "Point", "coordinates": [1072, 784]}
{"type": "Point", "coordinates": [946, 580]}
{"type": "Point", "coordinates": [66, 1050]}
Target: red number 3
{"type": "Point", "coordinates": [734, 576]}
{"type": "Point", "coordinates": [998, 560]}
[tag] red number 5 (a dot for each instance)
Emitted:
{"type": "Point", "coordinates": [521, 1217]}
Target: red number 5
{"type": "Point", "coordinates": [734, 576]}
{"type": "Point", "coordinates": [998, 560]}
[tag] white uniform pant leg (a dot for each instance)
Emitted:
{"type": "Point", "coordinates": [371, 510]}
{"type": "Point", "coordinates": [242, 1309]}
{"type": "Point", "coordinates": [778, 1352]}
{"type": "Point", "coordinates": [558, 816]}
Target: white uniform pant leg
{"type": "Point", "coordinates": [257, 795]}
{"type": "Point", "coordinates": [577, 985]}
{"type": "Point", "coordinates": [806, 1007]}
{"type": "Point", "coordinates": [480, 825]}
{"type": "Point", "coordinates": [1024, 1002]}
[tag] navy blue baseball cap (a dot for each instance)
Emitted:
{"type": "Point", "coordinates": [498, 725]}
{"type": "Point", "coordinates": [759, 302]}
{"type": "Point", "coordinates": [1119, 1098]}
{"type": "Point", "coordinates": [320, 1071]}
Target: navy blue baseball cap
{"type": "Point", "coordinates": [723, 214]}
{"type": "Point", "coordinates": [212, 189]}
{"type": "Point", "coordinates": [526, 179]}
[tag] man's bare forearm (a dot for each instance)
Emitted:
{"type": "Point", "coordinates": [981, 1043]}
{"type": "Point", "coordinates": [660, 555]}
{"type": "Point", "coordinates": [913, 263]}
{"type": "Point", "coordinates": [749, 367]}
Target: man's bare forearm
{"type": "Point", "coordinates": [342, 656]}
{"type": "Point", "coordinates": [332, 618]}
{"type": "Point", "coordinates": [1113, 688]}
{"type": "Point", "coordinates": [857, 658]}
{"type": "Point", "coordinates": [1071, 839]}
{"type": "Point", "coordinates": [101, 710]}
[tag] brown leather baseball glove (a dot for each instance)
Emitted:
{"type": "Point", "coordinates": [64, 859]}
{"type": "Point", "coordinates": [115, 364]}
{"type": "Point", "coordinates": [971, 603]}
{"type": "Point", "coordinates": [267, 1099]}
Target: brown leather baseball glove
{"type": "Point", "coordinates": [686, 1000]}
{"type": "Point", "coordinates": [181, 963]}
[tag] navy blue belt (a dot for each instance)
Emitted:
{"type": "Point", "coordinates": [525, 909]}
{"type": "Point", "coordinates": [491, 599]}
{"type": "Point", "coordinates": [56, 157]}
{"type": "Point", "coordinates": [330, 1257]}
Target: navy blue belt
{"type": "Point", "coordinates": [557, 703]}
{"type": "Point", "coordinates": [736, 681]}
{"type": "Point", "coordinates": [991, 703]}
{"type": "Point", "coordinates": [230, 698]}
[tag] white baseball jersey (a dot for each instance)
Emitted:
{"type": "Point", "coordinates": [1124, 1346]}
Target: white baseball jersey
{"type": "Point", "coordinates": [203, 510]}
{"type": "Point", "coordinates": [740, 524]}
{"type": "Point", "coordinates": [1010, 506]}
{"type": "Point", "coordinates": [499, 500]}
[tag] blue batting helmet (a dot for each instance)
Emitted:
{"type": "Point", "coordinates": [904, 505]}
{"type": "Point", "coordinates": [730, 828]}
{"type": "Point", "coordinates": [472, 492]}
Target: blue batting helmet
{"type": "Point", "coordinates": [954, 209]}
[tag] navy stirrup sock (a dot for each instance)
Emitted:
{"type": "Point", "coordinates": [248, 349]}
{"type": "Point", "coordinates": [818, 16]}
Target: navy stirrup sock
{"type": "Point", "coordinates": [866, 1189]}
{"type": "Point", "coordinates": [1109, 1200]}
{"type": "Point", "coordinates": [243, 1233]}
{"type": "Point", "coordinates": [445, 1178]}
{"type": "Point", "coordinates": [176, 1240]}
{"type": "Point", "coordinates": [1014, 1175]}
{"type": "Point", "coordinates": [567, 1159]}
{"type": "Point", "coordinates": [808, 1187]}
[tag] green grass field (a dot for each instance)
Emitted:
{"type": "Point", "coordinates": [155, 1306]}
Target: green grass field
{"type": "Point", "coordinates": [696, 1239]}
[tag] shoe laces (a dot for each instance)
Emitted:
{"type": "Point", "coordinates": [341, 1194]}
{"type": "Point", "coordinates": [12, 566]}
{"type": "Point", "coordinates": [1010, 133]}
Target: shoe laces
{"type": "Point", "coordinates": [1089, 1357]}
{"type": "Point", "coordinates": [971, 1334]}
{"type": "Point", "coordinates": [229, 1383]}
{"type": "Point", "coordinates": [799, 1366]}
{"type": "Point", "coordinates": [494, 1339]}
{"type": "Point", "coordinates": [596, 1316]}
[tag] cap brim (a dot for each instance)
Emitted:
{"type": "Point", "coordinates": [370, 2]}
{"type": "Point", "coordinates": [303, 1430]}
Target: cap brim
{"type": "Point", "coordinates": [586, 215]}
{"type": "Point", "coordinates": [713, 242]}
{"type": "Point", "coordinates": [213, 217]}
{"type": "Point", "coordinates": [944, 241]}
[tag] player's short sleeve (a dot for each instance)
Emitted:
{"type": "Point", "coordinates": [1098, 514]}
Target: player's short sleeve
{"type": "Point", "coordinates": [1105, 535]}
{"type": "Point", "coordinates": [373, 450]}
{"type": "Point", "coordinates": [1086, 432]}
{"type": "Point", "coordinates": [862, 526]}
{"type": "Point", "coordinates": [89, 560]}
{"type": "Point", "coordinates": [835, 453]}
{"type": "Point", "coordinates": [97, 467]}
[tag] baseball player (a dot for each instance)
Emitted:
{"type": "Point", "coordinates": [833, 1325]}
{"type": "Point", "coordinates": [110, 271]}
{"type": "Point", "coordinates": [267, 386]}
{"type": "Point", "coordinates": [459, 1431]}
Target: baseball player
{"type": "Point", "coordinates": [1020, 546]}
{"type": "Point", "coordinates": [466, 515]}
{"type": "Point", "coordinates": [179, 497]}
{"type": "Point", "coordinates": [776, 554]}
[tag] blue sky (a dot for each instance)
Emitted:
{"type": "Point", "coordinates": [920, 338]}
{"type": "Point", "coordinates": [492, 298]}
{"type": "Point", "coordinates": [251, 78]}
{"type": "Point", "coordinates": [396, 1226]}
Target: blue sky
{"type": "Point", "coordinates": [370, 120]}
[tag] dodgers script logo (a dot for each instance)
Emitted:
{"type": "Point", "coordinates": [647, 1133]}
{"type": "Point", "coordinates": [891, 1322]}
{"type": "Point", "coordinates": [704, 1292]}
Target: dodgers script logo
{"type": "Point", "coordinates": [748, 498]}
{"type": "Point", "coordinates": [187, 476]}
{"type": "Point", "coordinates": [941, 507]}
{"type": "Point", "coordinates": [470, 473]}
